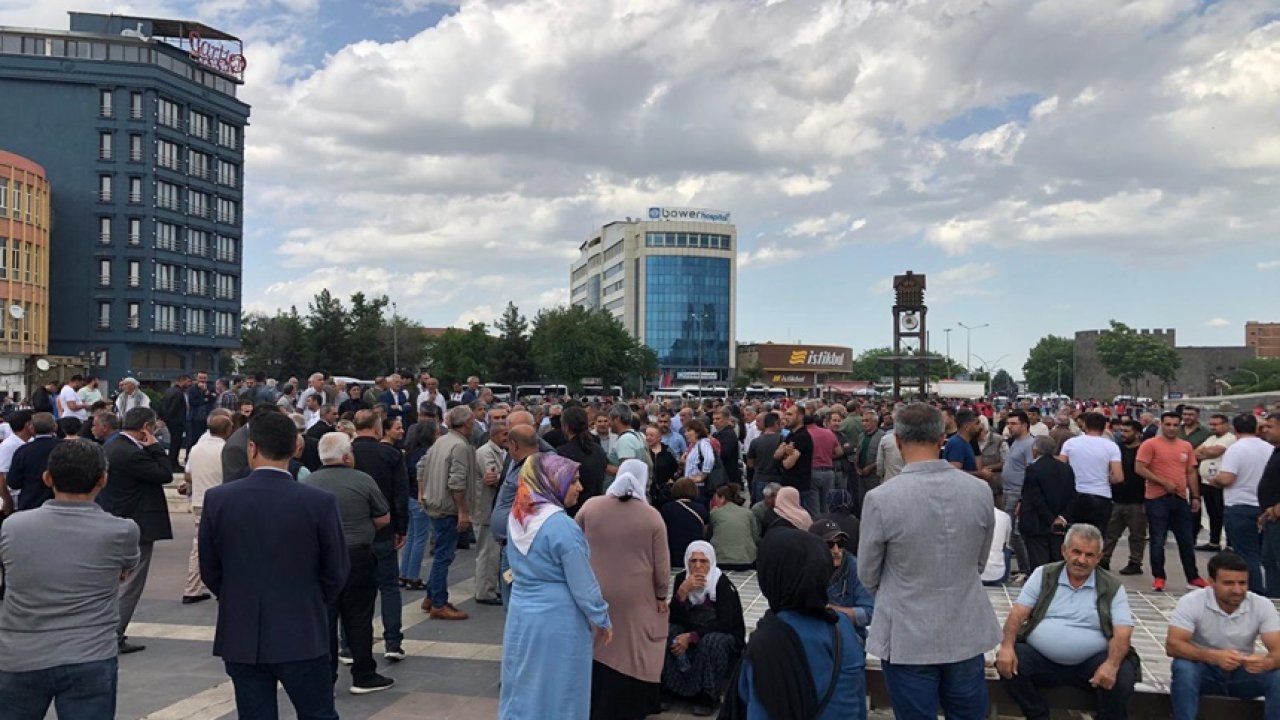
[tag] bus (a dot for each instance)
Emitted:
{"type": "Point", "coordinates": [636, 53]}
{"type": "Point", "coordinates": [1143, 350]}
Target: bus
{"type": "Point", "coordinates": [719, 392]}
{"type": "Point", "coordinates": [760, 392]}
{"type": "Point", "coordinates": [595, 392]}
{"type": "Point", "coordinates": [501, 391]}
{"type": "Point", "coordinates": [538, 391]}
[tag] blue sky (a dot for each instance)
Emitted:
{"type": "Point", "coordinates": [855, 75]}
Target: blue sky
{"type": "Point", "coordinates": [1049, 165]}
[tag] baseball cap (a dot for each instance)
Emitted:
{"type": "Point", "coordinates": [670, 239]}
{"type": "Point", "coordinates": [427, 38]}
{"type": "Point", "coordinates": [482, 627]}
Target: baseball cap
{"type": "Point", "coordinates": [828, 530]}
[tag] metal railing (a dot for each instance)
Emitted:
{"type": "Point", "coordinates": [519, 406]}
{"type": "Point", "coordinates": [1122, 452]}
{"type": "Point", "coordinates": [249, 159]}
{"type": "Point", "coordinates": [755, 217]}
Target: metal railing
{"type": "Point", "coordinates": [133, 323]}
{"type": "Point", "coordinates": [104, 281]}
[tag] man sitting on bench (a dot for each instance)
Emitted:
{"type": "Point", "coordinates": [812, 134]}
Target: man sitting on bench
{"type": "Point", "coordinates": [1212, 634]}
{"type": "Point", "coordinates": [1071, 625]}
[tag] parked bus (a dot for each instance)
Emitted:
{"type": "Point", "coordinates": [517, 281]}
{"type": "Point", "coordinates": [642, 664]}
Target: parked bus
{"type": "Point", "coordinates": [501, 392]}
{"type": "Point", "coordinates": [531, 391]}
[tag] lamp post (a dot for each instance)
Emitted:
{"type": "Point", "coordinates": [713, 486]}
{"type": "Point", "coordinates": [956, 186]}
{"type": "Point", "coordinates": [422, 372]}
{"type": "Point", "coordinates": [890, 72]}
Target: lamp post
{"type": "Point", "coordinates": [991, 370]}
{"type": "Point", "coordinates": [968, 343]}
{"type": "Point", "coordinates": [698, 319]}
{"type": "Point", "coordinates": [947, 332]}
{"type": "Point", "coordinates": [1059, 361]}
{"type": "Point", "coordinates": [1257, 379]}
{"type": "Point", "coordinates": [395, 338]}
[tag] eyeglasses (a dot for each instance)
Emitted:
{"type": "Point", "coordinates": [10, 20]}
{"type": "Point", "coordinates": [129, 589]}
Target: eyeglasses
{"type": "Point", "coordinates": [833, 543]}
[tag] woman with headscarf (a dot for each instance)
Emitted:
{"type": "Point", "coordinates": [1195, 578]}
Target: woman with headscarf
{"type": "Point", "coordinates": [787, 512]}
{"type": "Point", "coordinates": [555, 600]}
{"type": "Point", "coordinates": [706, 633]}
{"type": "Point", "coordinates": [629, 555]}
{"type": "Point", "coordinates": [804, 661]}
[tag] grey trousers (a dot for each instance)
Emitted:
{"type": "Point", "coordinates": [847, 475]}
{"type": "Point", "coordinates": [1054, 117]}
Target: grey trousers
{"type": "Point", "coordinates": [488, 561]}
{"type": "Point", "coordinates": [1131, 517]}
{"type": "Point", "coordinates": [131, 588]}
{"type": "Point", "coordinates": [824, 480]}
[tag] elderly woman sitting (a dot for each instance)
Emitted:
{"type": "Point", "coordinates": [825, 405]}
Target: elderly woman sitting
{"type": "Point", "coordinates": [707, 632]}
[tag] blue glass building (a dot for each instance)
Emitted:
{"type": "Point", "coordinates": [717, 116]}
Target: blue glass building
{"type": "Point", "coordinates": [672, 283]}
{"type": "Point", "coordinates": [136, 122]}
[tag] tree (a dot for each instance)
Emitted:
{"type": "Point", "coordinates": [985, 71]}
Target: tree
{"type": "Point", "coordinates": [513, 354]}
{"type": "Point", "coordinates": [328, 334]}
{"type": "Point", "coordinates": [365, 323]}
{"type": "Point", "coordinates": [1042, 365]}
{"type": "Point", "coordinates": [747, 375]}
{"type": "Point", "coordinates": [1003, 384]}
{"type": "Point", "coordinates": [1256, 375]}
{"type": "Point", "coordinates": [573, 343]}
{"type": "Point", "coordinates": [875, 364]}
{"type": "Point", "coordinates": [275, 344]}
{"type": "Point", "coordinates": [1128, 356]}
{"type": "Point", "coordinates": [458, 354]}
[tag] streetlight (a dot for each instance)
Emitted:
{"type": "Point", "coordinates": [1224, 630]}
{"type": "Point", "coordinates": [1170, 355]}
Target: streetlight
{"type": "Point", "coordinates": [947, 331]}
{"type": "Point", "coordinates": [1257, 379]}
{"type": "Point", "coordinates": [991, 369]}
{"type": "Point", "coordinates": [968, 343]}
{"type": "Point", "coordinates": [395, 339]}
{"type": "Point", "coordinates": [1059, 361]}
{"type": "Point", "coordinates": [699, 320]}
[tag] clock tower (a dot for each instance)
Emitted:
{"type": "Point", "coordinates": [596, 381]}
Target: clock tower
{"type": "Point", "coordinates": [910, 333]}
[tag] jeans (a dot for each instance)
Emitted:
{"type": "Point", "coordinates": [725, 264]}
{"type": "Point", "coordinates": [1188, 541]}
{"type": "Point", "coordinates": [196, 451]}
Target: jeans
{"type": "Point", "coordinates": [385, 568]}
{"type": "Point", "coordinates": [1131, 517]}
{"type": "Point", "coordinates": [1241, 522]}
{"type": "Point", "coordinates": [444, 532]}
{"type": "Point", "coordinates": [84, 690]}
{"type": "Point", "coordinates": [1035, 671]}
{"type": "Point", "coordinates": [824, 479]}
{"type": "Point", "coordinates": [809, 501]}
{"type": "Point", "coordinates": [1193, 679]}
{"type": "Point", "coordinates": [916, 691]}
{"type": "Point", "coordinates": [1271, 558]}
{"type": "Point", "coordinates": [1168, 513]}
{"type": "Point", "coordinates": [1016, 540]}
{"type": "Point", "coordinates": [353, 610]}
{"type": "Point", "coordinates": [308, 683]}
{"type": "Point", "coordinates": [415, 543]}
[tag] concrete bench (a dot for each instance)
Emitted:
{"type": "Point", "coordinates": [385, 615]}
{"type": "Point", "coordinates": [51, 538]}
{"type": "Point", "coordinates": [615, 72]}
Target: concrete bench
{"type": "Point", "coordinates": [1146, 705]}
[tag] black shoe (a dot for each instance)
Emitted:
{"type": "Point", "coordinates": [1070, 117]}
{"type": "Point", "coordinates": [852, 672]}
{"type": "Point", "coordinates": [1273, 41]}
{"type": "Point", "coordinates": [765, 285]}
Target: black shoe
{"type": "Point", "coordinates": [372, 684]}
{"type": "Point", "coordinates": [344, 657]}
{"type": "Point", "coordinates": [1131, 570]}
{"type": "Point", "coordinates": [704, 708]}
{"type": "Point", "coordinates": [126, 647]}
{"type": "Point", "coordinates": [191, 599]}
{"type": "Point", "coordinates": [1209, 547]}
{"type": "Point", "coordinates": [496, 602]}
{"type": "Point", "coordinates": [394, 652]}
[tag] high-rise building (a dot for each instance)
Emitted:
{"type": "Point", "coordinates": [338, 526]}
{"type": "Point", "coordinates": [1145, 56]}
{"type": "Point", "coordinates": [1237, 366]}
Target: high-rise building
{"type": "Point", "coordinates": [24, 267]}
{"type": "Point", "coordinates": [1263, 337]}
{"type": "Point", "coordinates": [672, 282]}
{"type": "Point", "coordinates": [137, 126]}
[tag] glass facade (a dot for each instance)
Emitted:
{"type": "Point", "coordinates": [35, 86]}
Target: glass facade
{"type": "Point", "coordinates": [710, 241]}
{"type": "Point", "coordinates": [687, 305]}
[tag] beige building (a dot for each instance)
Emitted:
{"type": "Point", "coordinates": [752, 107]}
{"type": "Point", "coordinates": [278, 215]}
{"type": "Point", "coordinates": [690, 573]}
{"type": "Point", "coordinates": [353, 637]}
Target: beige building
{"type": "Point", "coordinates": [671, 281]}
{"type": "Point", "coordinates": [1263, 337]}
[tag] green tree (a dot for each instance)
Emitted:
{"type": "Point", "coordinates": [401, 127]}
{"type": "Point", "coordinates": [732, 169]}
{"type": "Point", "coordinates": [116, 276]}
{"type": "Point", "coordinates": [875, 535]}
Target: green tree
{"type": "Point", "coordinates": [875, 364]}
{"type": "Point", "coordinates": [1256, 375]}
{"type": "Point", "coordinates": [1042, 365]}
{"type": "Point", "coordinates": [513, 356]}
{"type": "Point", "coordinates": [747, 375]}
{"type": "Point", "coordinates": [1003, 384]}
{"type": "Point", "coordinates": [1128, 356]}
{"type": "Point", "coordinates": [328, 335]}
{"type": "Point", "coordinates": [574, 342]}
{"type": "Point", "coordinates": [275, 344]}
{"type": "Point", "coordinates": [457, 354]}
{"type": "Point", "coordinates": [368, 357]}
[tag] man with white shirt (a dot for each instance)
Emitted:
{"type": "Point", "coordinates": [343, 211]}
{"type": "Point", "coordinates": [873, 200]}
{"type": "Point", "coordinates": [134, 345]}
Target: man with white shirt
{"type": "Point", "coordinates": [311, 410]}
{"type": "Point", "coordinates": [1240, 472]}
{"type": "Point", "coordinates": [1095, 460]}
{"type": "Point", "coordinates": [204, 471]}
{"type": "Point", "coordinates": [69, 404]}
{"type": "Point", "coordinates": [20, 424]}
{"type": "Point", "coordinates": [315, 386]}
{"type": "Point", "coordinates": [430, 393]}
{"type": "Point", "coordinates": [1209, 453]}
{"type": "Point", "coordinates": [1036, 427]}
{"type": "Point", "coordinates": [130, 397]}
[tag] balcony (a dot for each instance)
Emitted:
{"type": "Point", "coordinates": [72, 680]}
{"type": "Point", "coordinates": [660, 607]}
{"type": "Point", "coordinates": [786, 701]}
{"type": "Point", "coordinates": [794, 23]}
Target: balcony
{"type": "Point", "coordinates": [105, 110]}
{"type": "Point", "coordinates": [196, 328]}
{"type": "Point", "coordinates": [104, 238]}
{"type": "Point", "coordinates": [167, 326]}
{"type": "Point", "coordinates": [135, 239]}
{"type": "Point", "coordinates": [104, 281]}
{"type": "Point", "coordinates": [170, 122]}
{"type": "Point", "coordinates": [227, 255]}
{"type": "Point", "coordinates": [104, 323]}
{"type": "Point", "coordinates": [227, 218]}
{"type": "Point", "coordinates": [169, 163]}
{"type": "Point", "coordinates": [226, 332]}
{"type": "Point", "coordinates": [135, 155]}
{"type": "Point", "coordinates": [198, 290]}
{"type": "Point", "coordinates": [199, 171]}
{"type": "Point", "coordinates": [104, 153]}
{"type": "Point", "coordinates": [135, 281]}
{"type": "Point", "coordinates": [135, 198]}
{"type": "Point", "coordinates": [166, 244]}
{"type": "Point", "coordinates": [167, 204]}
{"type": "Point", "coordinates": [133, 323]}
{"type": "Point", "coordinates": [135, 112]}
{"type": "Point", "coordinates": [104, 195]}
{"type": "Point", "coordinates": [226, 294]}
{"type": "Point", "coordinates": [197, 249]}
{"type": "Point", "coordinates": [167, 285]}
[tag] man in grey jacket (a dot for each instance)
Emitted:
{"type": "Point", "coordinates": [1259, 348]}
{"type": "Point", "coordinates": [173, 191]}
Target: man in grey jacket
{"type": "Point", "coordinates": [445, 475]}
{"type": "Point", "coordinates": [480, 498]}
{"type": "Point", "coordinates": [925, 541]}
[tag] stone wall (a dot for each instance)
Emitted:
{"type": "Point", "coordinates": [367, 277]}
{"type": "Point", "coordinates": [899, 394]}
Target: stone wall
{"type": "Point", "coordinates": [1200, 365]}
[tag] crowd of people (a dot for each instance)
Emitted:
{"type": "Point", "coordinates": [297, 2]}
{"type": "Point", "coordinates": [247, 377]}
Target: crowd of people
{"type": "Point", "coordinates": [871, 527]}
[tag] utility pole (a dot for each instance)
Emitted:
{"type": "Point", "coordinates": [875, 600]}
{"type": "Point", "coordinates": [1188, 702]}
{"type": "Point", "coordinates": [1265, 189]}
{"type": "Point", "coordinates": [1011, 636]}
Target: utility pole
{"type": "Point", "coordinates": [947, 332]}
{"type": "Point", "coordinates": [968, 344]}
{"type": "Point", "coordinates": [395, 338]}
{"type": "Point", "coordinates": [1059, 376]}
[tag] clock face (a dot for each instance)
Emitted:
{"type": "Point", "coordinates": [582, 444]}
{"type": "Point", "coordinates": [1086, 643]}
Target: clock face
{"type": "Point", "coordinates": [909, 321]}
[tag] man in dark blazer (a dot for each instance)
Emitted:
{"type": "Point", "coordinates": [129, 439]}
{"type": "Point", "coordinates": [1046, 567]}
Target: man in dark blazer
{"type": "Point", "coordinates": [1047, 494]}
{"type": "Point", "coordinates": [137, 471]}
{"type": "Point", "coordinates": [257, 536]}
{"type": "Point", "coordinates": [235, 453]}
{"type": "Point", "coordinates": [175, 414]}
{"type": "Point", "coordinates": [727, 435]}
{"type": "Point", "coordinates": [26, 471]}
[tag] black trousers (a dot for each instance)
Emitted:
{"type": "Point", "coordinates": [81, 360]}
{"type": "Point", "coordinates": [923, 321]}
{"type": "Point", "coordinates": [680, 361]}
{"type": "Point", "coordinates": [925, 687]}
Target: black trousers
{"type": "Point", "coordinates": [1092, 509]}
{"type": "Point", "coordinates": [354, 609]}
{"type": "Point", "coordinates": [1035, 671]}
{"type": "Point", "coordinates": [1043, 549]}
{"type": "Point", "coordinates": [177, 443]}
{"type": "Point", "coordinates": [1210, 504]}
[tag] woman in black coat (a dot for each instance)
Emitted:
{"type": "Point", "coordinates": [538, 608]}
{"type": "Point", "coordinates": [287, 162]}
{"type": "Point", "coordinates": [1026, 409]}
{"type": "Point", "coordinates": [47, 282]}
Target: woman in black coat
{"type": "Point", "coordinates": [583, 449]}
{"type": "Point", "coordinates": [1047, 492]}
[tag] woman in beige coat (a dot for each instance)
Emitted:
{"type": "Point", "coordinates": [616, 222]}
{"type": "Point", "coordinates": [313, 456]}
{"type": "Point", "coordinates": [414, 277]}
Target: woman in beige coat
{"type": "Point", "coordinates": [629, 555]}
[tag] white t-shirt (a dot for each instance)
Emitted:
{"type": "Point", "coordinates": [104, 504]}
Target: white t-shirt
{"type": "Point", "coordinates": [1209, 468]}
{"type": "Point", "coordinates": [7, 449]}
{"type": "Point", "coordinates": [1039, 430]}
{"type": "Point", "coordinates": [1090, 457]}
{"type": "Point", "coordinates": [204, 462]}
{"type": "Point", "coordinates": [1246, 459]}
{"type": "Point", "coordinates": [999, 541]}
{"type": "Point", "coordinates": [66, 396]}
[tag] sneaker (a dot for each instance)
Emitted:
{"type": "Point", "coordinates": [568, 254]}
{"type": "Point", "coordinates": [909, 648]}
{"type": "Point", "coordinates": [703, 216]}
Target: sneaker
{"type": "Point", "coordinates": [394, 652]}
{"type": "Point", "coordinates": [1157, 585]}
{"type": "Point", "coordinates": [344, 657]}
{"type": "Point", "coordinates": [1131, 570]}
{"type": "Point", "coordinates": [1209, 547]}
{"type": "Point", "coordinates": [372, 684]}
{"type": "Point", "coordinates": [1199, 582]}
{"type": "Point", "coordinates": [448, 612]}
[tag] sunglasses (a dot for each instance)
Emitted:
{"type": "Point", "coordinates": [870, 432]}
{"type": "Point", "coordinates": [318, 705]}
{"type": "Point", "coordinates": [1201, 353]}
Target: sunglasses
{"type": "Point", "coordinates": [833, 543]}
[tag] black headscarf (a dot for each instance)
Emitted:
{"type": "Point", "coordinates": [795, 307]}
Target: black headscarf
{"type": "Point", "coordinates": [793, 568]}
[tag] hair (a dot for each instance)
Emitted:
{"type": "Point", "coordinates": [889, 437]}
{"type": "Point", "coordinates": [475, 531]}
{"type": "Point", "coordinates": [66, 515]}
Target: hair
{"type": "Point", "coordinates": [1133, 425]}
{"type": "Point", "coordinates": [19, 419]}
{"type": "Point", "coordinates": [458, 417]}
{"type": "Point", "coordinates": [919, 423]}
{"type": "Point", "coordinates": [1226, 561]}
{"type": "Point", "coordinates": [1191, 408]}
{"type": "Point", "coordinates": [621, 413]}
{"type": "Point", "coordinates": [1045, 445]}
{"type": "Point", "coordinates": [684, 489]}
{"type": "Point", "coordinates": [1170, 414]}
{"type": "Point", "coordinates": [76, 466]}
{"type": "Point", "coordinates": [771, 420]}
{"type": "Point", "coordinates": [964, 417]}
{"type": "Point", "coordinates": [731, 493]}
{"type": "Point", "coordinates": [365, 420]}
{"type": "Point", "coordinates": [274, 435]}
{"type": "Point", "coordinates": [110, 420]}
{"type": "Point", "coordinates": [1095, 421]}
{"type": "Point", "coordinates": [263, 409]}
{"type": "Point", "coordinates": [69, 427]}
{"type": "Point", "coordinates": [1246, 423]}
{"type": "Point", "coordinates": [333, 447]}
{"type": "Point", "coordinates": [1084, 531]}
{"type": "Point", "coordinates": [299, 421]}
{"type": "Point", "coordinates": [771, 489]}
{"type": "Point", "coordinates": [220, 422]}
{"type": "Point", "coordinates": [76, 378]}
{"type": "Point", "coordinates": [698, 427]}
{"type": "Point", "coordinates": [523, 436]}
{"type": "Point", "coordinates": [138, 418]}
{"type": "Point", "coordinates": [42, 423]}
{"type": "Point", "coordinates": [1021, 416]}
{"type": "Point", "coordinates": [1220, 416]}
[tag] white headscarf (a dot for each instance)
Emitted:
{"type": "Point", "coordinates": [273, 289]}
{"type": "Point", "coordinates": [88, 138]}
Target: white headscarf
{"type": "Point", "coordinates": [713, 577]}
{"type": "Point", "coordinates": [632, 481]}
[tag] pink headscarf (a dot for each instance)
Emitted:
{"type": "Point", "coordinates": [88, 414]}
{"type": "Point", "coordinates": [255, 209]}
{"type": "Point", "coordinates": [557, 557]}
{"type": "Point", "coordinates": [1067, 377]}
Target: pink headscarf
{"type": "Point", "coordinates": [787, 506]}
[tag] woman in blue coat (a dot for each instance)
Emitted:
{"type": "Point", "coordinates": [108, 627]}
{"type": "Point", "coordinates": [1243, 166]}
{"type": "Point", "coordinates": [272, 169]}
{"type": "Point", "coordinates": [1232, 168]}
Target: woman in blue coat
{"type": "Point", "coordinates": [555, 600]}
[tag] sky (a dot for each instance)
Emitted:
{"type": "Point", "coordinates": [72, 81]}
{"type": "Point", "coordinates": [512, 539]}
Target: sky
{"type": "Point", "coordinates": [1049, 165]}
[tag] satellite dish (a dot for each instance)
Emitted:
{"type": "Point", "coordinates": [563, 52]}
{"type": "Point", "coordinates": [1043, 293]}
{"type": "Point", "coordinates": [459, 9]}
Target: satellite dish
{"type": "Point", "coordinates": [17, 312]}
{"type": "Point", "coordinates": [42, 365]}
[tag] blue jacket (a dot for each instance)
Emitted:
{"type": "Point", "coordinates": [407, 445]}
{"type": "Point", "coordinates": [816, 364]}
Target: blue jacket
{"type": "Point", "coordinates": [272, 551]}
{"type": "Point", "coordinates": [26, 472]}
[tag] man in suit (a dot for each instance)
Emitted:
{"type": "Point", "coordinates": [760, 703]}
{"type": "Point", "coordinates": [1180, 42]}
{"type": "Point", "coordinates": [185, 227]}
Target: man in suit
{"type": "Point", "coordinates": [174, 411]}
{"type": "Point", "coordinates": [137, 471]}
{"type": "Point", "coordinates": [26, 471]}
{"type": "Point", "coordinates": [201, 401]}
{"type": "Point", "coordinates": [925, 541]}
{"type": "Point", "coordinates": [385, 465]}
{"type": "Point", "coordinates": [727, 434]}
{"type": "Point", "coordinates": [258, 535]}
{"type": "Point", "coordinates": [396, 398]}
{"type": "Point", "coordinates": [1047, 495]}
{"type": "Point", "coordinates": [235, 453]}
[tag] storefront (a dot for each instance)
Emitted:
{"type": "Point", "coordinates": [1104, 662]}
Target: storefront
{"type": "Point", "coordinates": [796, 367]}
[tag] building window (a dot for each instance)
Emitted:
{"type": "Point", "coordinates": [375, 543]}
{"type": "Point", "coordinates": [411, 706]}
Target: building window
{"type": "Point", "coordinates": [200, 125]}
{"type": "Point", "coordinates": [135, 190]}
{"type": "Point", "coordinates": [168, 113]}
{"type": "Point", "coordinates": [197, 164]}
{"type": "Point", "coordinates": [166, 236]}
{"type": "Point", "coordinates": [4, 253]}
{"type": "Point", "coordinates": [4, 195]}
{"type": "Point", "coordinates": [135, 105]}
{"type": "Point", "coordinates": [135, 231]}
{"type": "Point", "coordinates": [104, 230]}
{"type": "Point", "coordinates": [197, 282]}
{"type": "Point", "coordinates": [135, 315]}
{"type": "Point", "coordinates": [104, 271]}
{"type": "Point", "coordinates": [166, 318]}
{"type": "Point", "coordinates": [227, 211]}
{"type": "Point", "coordinates": [104, 315]}
{"type": "Point", "coordinates": [612, 271]}
{"type": "Point", "coordinates": [167, 196]}
{"type": "Point", "coordinates": [197, 203]}
{"type": "Point", "coordinates": [105, 103]}
{"type": "Point", "coordinates": [225, 286]}
{"type": "Point", "coordinates": [167, 278]}
{"type": "Point", "coordinates": [196, 319]}
{"type": "Point", "coordinates": [135, 148]}
{"type": "Point", "coordinates": [104, 188]}
{"type": "Point", "coordinates": [104, 146]}
{"type": "Point", "coordinates": [226, 324]}
{"type": "Point", "coordinates": [135, 273]}
{"type": "Point", "coordinates": [227, 173]}
{"type": "Point", "coordinates": [686, 310]}
{"type": "Point", "coordinates": [228, 135]}
{"type": "Point", "coordinates": [226, 248]}
{"type": "Point", "coordinates": [197, 243]}
{"type": "Point", "coordinates": [167, 154]}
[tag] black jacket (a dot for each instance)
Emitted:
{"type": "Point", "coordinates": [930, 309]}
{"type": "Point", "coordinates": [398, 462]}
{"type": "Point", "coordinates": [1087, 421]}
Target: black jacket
{"type": "Point", "coordinates": [728, 611]}
{"type": "Point", "coordinates": [136, 478]}
{"type": "Point", "coordinates": [591, 471]}
{"type": "Point", "coordinates": [173, 407]}
{"type": "Point", "coordinates": [729, 453]}
{"type": "Point", "coordinates": [385, 465]}
{"type": "Point", "coordinates": [27, 470]}
{"type": "Point", "coordinates": [318, 430]}
{"type": "Point", "coordinates": [1047, 492]}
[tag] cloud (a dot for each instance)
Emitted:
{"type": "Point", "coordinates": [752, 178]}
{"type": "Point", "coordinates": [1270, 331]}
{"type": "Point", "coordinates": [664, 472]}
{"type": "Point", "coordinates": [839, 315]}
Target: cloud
{"type": "Point", "coordinates": [1218, 322]}
{"type": "Point", "coordinates": [1268, 264]}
